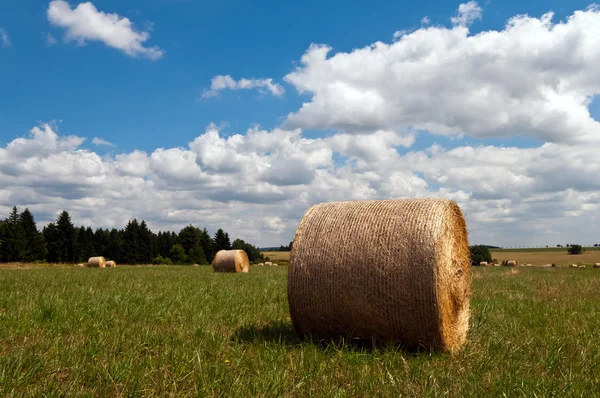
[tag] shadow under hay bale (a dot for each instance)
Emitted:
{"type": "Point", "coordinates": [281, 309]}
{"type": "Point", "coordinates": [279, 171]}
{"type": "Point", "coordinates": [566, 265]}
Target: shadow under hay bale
{"type": "Point", "coordinates": [97, 262]}
{"type": "Point", "coordinates": [231, 261]}
{"type": "Point", "coordinates": [283, 333]}
{"type": "Point", "coordinates": [389, 270]}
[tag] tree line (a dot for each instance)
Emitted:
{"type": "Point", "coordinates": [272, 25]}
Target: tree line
{"type": "Point", "coordinates": [62, 242]}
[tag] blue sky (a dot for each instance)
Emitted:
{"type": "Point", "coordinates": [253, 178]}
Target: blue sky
{"type": "Point", "coordinates": [140, 104]}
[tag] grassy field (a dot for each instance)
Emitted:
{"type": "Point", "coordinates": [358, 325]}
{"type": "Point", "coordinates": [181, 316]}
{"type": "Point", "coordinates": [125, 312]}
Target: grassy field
{"type": "Point", "coordinates": [185, 331]}
{"type": "Point", "coordinates": [277, 256]}
{"type": "Point", "coordinates": [560, 258]}
{"type": "Point", "coordinates": [542, 249]}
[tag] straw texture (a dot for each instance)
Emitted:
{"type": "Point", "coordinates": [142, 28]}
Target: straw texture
{"type": "Point", "coordinates": [231, 261]}
{"type": "Point", "coordinates": [389, 270]}
{"type": "Point", "coordinates": [97, 262]}
{"type": "Point", "coordinates": [111, 264]}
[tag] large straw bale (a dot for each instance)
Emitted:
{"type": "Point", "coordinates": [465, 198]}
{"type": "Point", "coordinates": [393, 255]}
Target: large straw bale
{"type": "Point", "coordinates": [386, 270]}
{"type": "Point", "coordinates": [231, 261]}
{"type": "Point", "coordinates": [111, 264]}
{"type": "Point", "coordinates": [97, 262]}
{"type": "Point", "coordinates": [511, 263]}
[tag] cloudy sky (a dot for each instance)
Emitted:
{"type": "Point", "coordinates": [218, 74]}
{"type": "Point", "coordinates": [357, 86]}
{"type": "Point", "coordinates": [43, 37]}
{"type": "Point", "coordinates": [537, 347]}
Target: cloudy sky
{"type": "Point", "coordinates": [235, 114]}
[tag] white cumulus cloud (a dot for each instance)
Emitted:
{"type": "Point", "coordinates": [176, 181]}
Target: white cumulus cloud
{"type": "Point", "coordinates": [85, 22]}
{"type": "Point", "coordinates": [534, 77]}
{"type": "Point", "coordinates": [467, 14]}
{"type": "Point", "coordinates": [226, 82]}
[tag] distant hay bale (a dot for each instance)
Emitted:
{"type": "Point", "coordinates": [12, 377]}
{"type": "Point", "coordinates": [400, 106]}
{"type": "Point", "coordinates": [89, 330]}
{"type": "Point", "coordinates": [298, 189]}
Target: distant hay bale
{"type": "Point", "coordinates": [268, 264]}
{"type": "Point", "coordinates": [111, 264]}
{"type": "Point", "coordinates": [597, 265]}
{"type": "Point", "coordinates": [496, 265]}
{"type": "Point", "coordinates": [81, 265]}
{"type": "Point", "coordinates": [260, 264]}
{"type": "Point", "coordinates": [275, 265]}
{"type": "Point", "coordinates": [511, 263]}
{"type": "Point", "coordinates": [528, 265]}
{"type": "Point", "coordinates": [386, 270]}
{"type": "Point", "coordinates": [231, 261]}
{"type": "Point", "coordinates": [573, 266]}
{"type": "Point", "coordinates": [97, 262]}
{"type": "Point", "coordinates": [196, 265]}
{"type": "Point", "coordinates": [483, 264]}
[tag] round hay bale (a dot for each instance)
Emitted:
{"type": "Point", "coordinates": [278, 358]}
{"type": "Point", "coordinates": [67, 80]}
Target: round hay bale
{"type": "Point", "coordinates": [496, 265]}
{"type": "Point", "coordinates": [268, 264]}
{"type": "Point", "coordinates": [511, 263]}
{"type": "Point", "coordinates": [111, 264]}
{"type": "Point", "coordinates": [97, 262]}
{"type": "Point", "coordinates": [81, 265]}
{"type": "Point", "coordinates": [275, 265]}
{"type": "Point", "coordinates": [231, 261]}
{"type": "Point", "coordinates": [196, 265]}
{"type": "Point", "coordinates": [483, 264]}
{"type": "Point", "coordinates": [573, 266]}
{"type": "Point", "coordinates": [597, 265]}
{"type": "Point", "coordinates": [387, 270]}
{"type": "Point", "coordinates": [260, 264]}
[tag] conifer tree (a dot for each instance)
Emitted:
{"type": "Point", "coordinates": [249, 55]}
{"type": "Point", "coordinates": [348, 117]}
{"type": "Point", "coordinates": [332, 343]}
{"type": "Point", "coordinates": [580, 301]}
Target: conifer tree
{"type": "Point", "coordinates": [33, 244]}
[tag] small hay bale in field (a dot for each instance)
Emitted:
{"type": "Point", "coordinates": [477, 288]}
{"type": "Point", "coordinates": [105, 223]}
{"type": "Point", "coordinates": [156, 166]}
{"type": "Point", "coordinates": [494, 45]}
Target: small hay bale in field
{"type": "Point", "coordinates": [111, 264]}
{"type": "Point", "coordinates": [511, 263]}
{"type": "Point", "coordinates": [196, 265]}
{"type": "Point", "coordinates": [275, 265]}
{"type": "Point", "coordinates": [385, 270]}
{"type": "Point", "coordinates": [81, 265]}
{"type": "Point", "coordinates": [496, 265]}
{"type": "Point", "coordinates": [483, 264]}
{"type": "Point", "coordinates": [260, 264]}
{"type": "Point", "coordinates": [597, 265]}
{"type": "Point", "coordinates": [231, 261]}
{"type": "Point", "coordinates": [97, 262]}
{"type": "Point", "coordinates": [573, 266]}
{"type": "Point", "coordinates": [268, 264]}
{"type": "Point", "coordinates": [528, 265]}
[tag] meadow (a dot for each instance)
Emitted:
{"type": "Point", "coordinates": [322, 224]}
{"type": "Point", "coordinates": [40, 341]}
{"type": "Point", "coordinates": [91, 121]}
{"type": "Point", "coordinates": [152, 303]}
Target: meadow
{"type": "Point", "coordinates": [186, 331]}
{"type": "Point", "coordinates": [533, 256]}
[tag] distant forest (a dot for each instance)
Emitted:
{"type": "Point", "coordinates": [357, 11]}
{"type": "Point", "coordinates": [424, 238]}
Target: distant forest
{"type": "Point", "coordinates": [62, 242]}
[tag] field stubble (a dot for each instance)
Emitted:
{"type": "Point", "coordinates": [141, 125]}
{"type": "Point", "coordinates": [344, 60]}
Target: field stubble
{"type": "Point", "coordinates": [186, 331]}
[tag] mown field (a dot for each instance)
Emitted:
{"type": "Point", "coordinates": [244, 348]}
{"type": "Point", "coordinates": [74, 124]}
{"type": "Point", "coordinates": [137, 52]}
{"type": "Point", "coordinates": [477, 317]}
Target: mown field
{"type": "Point", "coordinates": [533, 256]}
{"type": "Point", "coordinates": [185, 331]}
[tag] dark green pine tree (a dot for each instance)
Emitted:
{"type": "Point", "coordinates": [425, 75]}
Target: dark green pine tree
{"type": "Point", "coordinates": [145, 241]}
{"type": "Point", "coordinates": [3, 244]}
{"type": "Point", "coordinates": [207, 245]}
{"type": "Point", "coordinates": [13, 238]}
{"type": "Point", "coordinates": [115, 247]}
{"type": "Point", "coordinates": [34, 246]}
{"type": "Point", "coordinates": [85, 244]}
{"type": "Point", "coordinates": [131, 242]}
{"type": "Point", "coordinates": [100, 240]}
{"type": "Point", "coordinates": [67, 236]}
{"type": "Point", "coordinates": [51, 236]}
{"type": "Point", "coordinates": [221, 241]}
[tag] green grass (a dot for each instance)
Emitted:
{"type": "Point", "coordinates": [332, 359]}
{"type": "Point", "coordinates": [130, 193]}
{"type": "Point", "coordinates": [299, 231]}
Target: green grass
{"type": "Point", "coordinates": [169, 331]}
